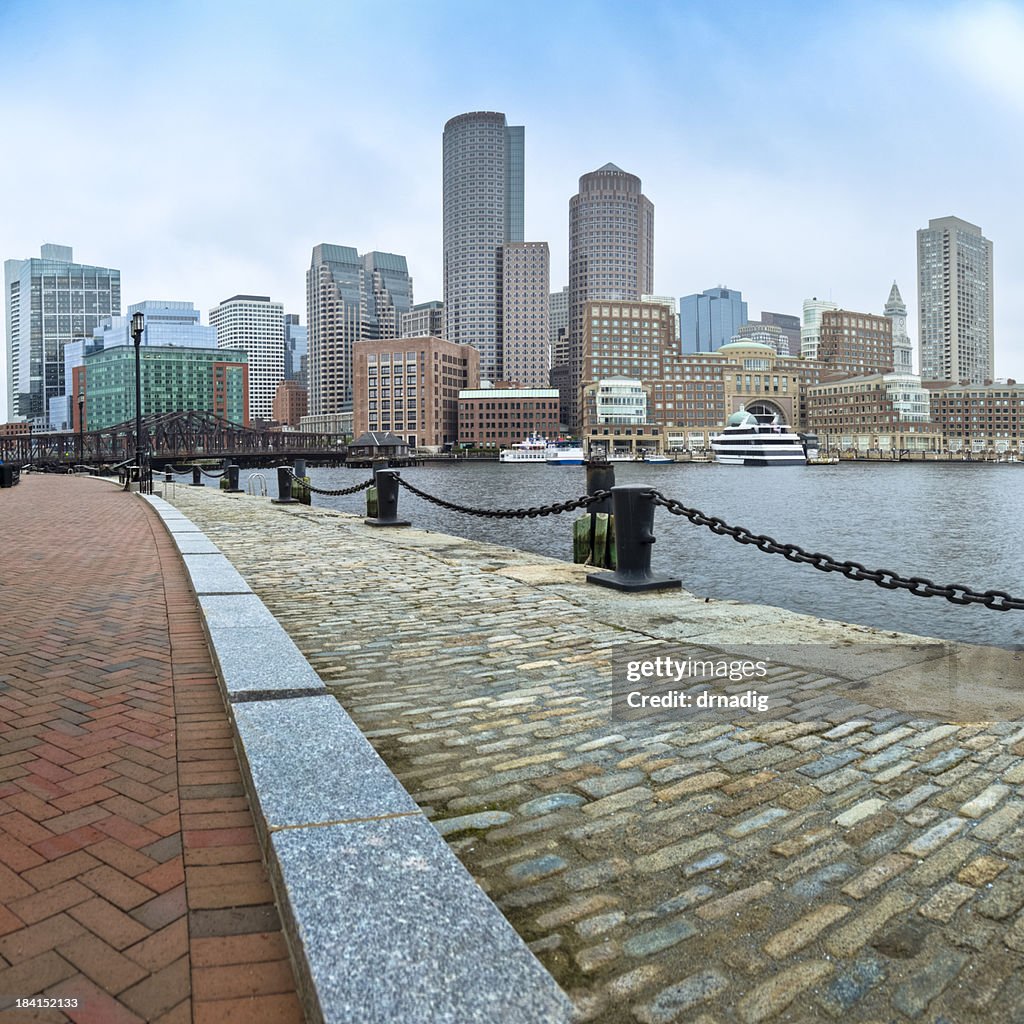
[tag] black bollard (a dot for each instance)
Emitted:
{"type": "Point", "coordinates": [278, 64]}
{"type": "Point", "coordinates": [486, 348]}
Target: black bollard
{"type": "Point", "coordinates": [387, 500]}
{"type": "Point", "coordinates": [168, 476]}
{"type": "Point", "coordinates": [232, 487]}
{"type": "Point", "coordinates": [633, 508]}
{"type": "Point", "coordinates": [197, 477]}
{"type": "Point", "coordinates": [284, 487]}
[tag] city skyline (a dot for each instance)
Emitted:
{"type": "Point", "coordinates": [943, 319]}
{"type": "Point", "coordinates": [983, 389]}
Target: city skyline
{"type": "Point", "coordinates": [776, 168]}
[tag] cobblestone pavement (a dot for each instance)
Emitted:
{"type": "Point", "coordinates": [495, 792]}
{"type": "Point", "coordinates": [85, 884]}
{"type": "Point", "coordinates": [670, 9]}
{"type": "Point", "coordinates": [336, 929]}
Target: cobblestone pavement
{"type": "Point", "coordinates": [130, 875]}
{"type": "Point", "coordinates": [842, 862]}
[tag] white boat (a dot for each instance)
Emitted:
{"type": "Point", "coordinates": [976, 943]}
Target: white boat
{"type": "Point", "coordinates": [540, 451]}
{"type": "Point", "coordinates": [564, 455]}
{"type": "Point", "coordinates": [750, 439]}
{"type": "Point", "coordinates": [657, 460]}
{"type": "Point", "coordinates": [533, 449]}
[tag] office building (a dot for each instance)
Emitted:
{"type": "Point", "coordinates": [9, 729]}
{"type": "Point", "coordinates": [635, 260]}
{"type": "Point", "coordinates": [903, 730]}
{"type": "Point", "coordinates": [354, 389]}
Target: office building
{"type": "Point", "coordinates": [902, 347]}
{"type": "Point", "coordinates": [955, 311]}
{"type": "Point", "coordinates": [500, 416]}
{"type": "Point", "coordinates": [611, 255]}
{"type": "Point", "coordinates": [711, 319]}
{"type": "Point", "coordinates": [50, 301]}
{"type": "Point", "coordinates": [291, 403]}
{"type": "Point", "coordinates": [410, 387]}
{"type": "Point", "coordinates": [977, 418]}
{"type": "Point", "coordinates": [526, 284]}
{"type": "Point", "coordinates": [854, 344]}
{"type": "Point", "coordinates": [810, 329]}
{"type": "Point", "coordinates": [788, 324]}
{"type": "Point", "coordinates": [254, 325]}
{"type": "Point", "coordinates": [296, 349]}
{"type": "Point", "coordinates": [483, 209]}
{"type": "Point", "coordinates": [173, 379]}
{"type": "Point", "coordinates": [349, 298]}
{"type": "Point", "coordinates": [883, 412]}
{"type": "Point", "coordinates": [424, 320]}
{"type": "Point", "coordinates": [766, 334]}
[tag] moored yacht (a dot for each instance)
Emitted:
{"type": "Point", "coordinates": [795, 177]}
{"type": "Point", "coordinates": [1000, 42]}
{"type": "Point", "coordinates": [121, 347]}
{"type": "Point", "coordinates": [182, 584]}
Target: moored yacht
{"type": "Point", "coordinates": [760, 439]}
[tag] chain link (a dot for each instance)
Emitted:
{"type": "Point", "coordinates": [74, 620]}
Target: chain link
{"type": "Point", "coordinates": [333, 494]}
{"type": "Point", "coordinates": [956, 593]}
{"type": "Point", "coordinates": [510, 513]}
{"type": "Point", "coordinates": [210, 473]}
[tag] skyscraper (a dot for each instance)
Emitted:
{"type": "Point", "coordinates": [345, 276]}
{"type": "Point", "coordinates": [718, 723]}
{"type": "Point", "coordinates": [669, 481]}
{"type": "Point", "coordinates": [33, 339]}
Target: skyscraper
{"type": "Point", "coordinates": [296, 349]}
{"type": "Point", "coordinates": [810, 331]}
{"type": "Point", "coordinates": [710, 320]}
{"type": "Point", "coordinates": [254, 325]}
{"type": "Point", "coordinates": [954, 281]}
{"type": "Point", "coordinates": [50, 301]}
{"type": "Point", "coordinates": [526, 313]}
{"type": "Point", "coordinates": [611, 253]}
{"type": "Point", "coordinates": [483, 209]}
{"type": "Point", "coordinates": [349, 298]}
{"type": "Point", "coordinates": [902, 347]}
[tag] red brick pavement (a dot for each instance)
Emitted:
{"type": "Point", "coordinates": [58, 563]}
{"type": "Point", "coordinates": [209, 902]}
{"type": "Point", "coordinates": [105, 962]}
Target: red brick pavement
{"type": "Point", "coordinates": [130, 874]}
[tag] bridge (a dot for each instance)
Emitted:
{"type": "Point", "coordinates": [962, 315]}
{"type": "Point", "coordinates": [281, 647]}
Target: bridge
{"type": "Point", "coordinates": [172, 438]}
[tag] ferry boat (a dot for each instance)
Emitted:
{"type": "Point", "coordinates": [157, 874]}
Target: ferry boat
{"type": "Point", "coordinates": [564, 455]}
{"type": "Point", "coordinates": [533, 449]}
{"type": "Point", "coordinates": [541, 451]}
{"type": "Point", "coordinates": [761, 439]}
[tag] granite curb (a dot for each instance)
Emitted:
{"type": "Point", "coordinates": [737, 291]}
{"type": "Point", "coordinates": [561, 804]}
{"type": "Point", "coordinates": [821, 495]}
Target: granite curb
{"type": "Point", "coordinates": [383, 921]}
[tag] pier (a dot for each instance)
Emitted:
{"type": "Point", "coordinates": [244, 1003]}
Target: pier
{"type": "Point", "coordinates": [855, 855]}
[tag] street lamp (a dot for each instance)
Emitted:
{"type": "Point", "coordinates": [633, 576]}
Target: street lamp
{"type": "Point", "coordinates": [138, 324]}
{"type": "Point", "coordinates": [81, 425]}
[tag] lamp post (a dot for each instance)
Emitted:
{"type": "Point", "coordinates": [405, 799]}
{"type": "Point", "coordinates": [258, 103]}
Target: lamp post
{"type": "Point", "coordinates": [81, 425]}
{"type": "Point", "coordinates": [138, 324]}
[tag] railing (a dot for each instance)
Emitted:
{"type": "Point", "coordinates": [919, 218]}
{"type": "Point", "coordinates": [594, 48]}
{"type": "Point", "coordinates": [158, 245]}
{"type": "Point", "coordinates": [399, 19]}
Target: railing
{"type": "Point", "coordinates": [633, 512]}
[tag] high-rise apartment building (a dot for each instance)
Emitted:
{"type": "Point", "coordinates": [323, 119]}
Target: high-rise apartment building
{"type": "Point", "coordinates": [349, 298]}
{"type": "Point", "coordinates": [810, 330]}
{"type": "Point", "coordinates": [711, 319]}
{"type": "Point", "coordinates": [611, 254]}
{"type": "Point", "coordinates": [483, 208]}
{"type": "Point", "coordinates": [955, 311]}
{"type": "Point", "coordinates": [526, 285]}
{"type": "Point", "coordinates": [49, 302]}
{"type": "Point", "coordinates": [902, 347]}
{"type": "Point", "coordinates": [254, 325]}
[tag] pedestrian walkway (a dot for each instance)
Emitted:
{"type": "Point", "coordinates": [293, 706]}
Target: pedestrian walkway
{"type": "Point", "coordinates": [131, 881]}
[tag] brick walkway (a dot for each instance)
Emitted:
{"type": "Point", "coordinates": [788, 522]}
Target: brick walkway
{"type": "Point", "coordinates": [130, 875]}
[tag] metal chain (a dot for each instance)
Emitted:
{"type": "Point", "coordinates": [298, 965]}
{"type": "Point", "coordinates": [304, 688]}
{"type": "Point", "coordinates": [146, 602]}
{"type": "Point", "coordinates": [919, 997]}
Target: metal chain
{"type": "Point", "coordinates": [510, 513]}
{"type": "Point", "coordinates": [211, 474]}
{"type": "Point", "coordinates": [333, 494]}
{"type": "Point", "coordinates": [956, 593]}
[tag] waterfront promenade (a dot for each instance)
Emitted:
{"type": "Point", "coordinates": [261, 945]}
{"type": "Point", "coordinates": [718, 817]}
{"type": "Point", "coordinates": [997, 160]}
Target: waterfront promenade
{"type": "Point", "coordinates": [852, 857]}
{"type": "Point", "coordinates": [130, 874]}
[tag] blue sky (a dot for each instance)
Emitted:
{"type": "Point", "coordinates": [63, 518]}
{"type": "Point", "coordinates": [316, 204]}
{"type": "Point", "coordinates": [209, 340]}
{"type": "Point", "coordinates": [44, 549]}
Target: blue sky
{"type": "Point", "coordinates": [790, 149]}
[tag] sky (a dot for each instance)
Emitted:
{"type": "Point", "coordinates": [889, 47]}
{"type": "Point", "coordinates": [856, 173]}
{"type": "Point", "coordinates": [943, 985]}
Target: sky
{"type": "Point", "coordinates": [790, 149]}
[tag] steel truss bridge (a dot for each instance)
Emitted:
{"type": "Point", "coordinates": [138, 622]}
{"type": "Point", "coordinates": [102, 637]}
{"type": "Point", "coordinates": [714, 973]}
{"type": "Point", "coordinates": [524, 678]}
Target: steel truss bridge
{"type": "Point", "coordinates": [172, 438]}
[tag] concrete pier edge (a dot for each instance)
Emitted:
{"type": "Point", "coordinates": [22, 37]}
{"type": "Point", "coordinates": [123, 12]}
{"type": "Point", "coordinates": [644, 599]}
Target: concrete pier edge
{"type": "Point", "coordinates": [383, 921]}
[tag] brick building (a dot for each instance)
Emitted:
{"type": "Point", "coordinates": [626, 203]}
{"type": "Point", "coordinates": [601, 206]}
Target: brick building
{"type": "Point", "coordinates": [496, 417]}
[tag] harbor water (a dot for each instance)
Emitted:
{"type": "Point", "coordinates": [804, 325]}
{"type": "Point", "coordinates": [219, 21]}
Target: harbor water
{"type": "Point", "coordinates": [948, 522]}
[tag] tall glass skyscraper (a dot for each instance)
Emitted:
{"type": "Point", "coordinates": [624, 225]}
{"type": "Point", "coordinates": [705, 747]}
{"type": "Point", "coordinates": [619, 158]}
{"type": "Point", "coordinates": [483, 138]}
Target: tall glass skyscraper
{"type": "Point", "coordinates": [709, 320]}
{"type": "Point", "coordinates": [349, 298]}
{"type": "Point", "coordinates": [611, 253]}
{"type": "Point", "coordinates": [954, 280]}
{"type": "Point", "coordinates": [483, 204]}
{"type": "Point", "coordinates": [49, 302]}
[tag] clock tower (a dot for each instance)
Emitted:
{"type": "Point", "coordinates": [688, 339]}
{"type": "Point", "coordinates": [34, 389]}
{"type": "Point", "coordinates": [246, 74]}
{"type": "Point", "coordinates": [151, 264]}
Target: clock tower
{"type": "Point", "coordinates": [902, 348]}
